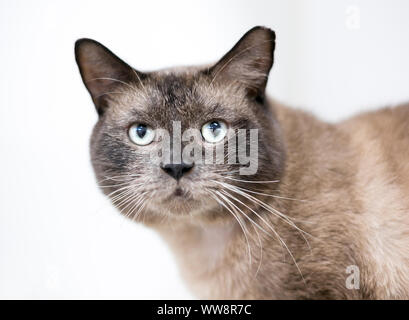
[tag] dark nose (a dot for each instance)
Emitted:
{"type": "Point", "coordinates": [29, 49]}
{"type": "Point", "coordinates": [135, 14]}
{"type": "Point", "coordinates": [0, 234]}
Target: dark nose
{"type": "Point", "coordinates": [177, 170]}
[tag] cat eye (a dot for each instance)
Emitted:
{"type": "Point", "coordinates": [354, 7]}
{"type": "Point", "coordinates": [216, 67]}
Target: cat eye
{"type": "Point", "coordinates": [141, 134]}
{"type": "Point", "coordinates": [214, 131]}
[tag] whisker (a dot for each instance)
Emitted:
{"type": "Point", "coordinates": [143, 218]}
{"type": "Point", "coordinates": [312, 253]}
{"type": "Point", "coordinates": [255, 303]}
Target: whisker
{"type": "Point", "coordinates": [111, 79]}
{"type": "Point", "coordinates": [216, 196]}
{"type": "Point", "coordinates": [280, 239]}
{"type": "Point", "coordinates": [107, 93]}
{"type": "Point", "coordinates": [261, 251]}
{"type": "Point", "coordinates": [261, 218]}
{"type": "Point", "coordinates": [263, 204]}
{"type": "Point", "coordinates": [252, 181]}
{"type": "Point", "coordinates": [269, 195]}
{"type": "Point", "coordinates": [139, 79]}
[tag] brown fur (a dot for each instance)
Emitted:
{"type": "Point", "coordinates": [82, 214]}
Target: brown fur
{"type": "Point", "coordinates": [345, 185]}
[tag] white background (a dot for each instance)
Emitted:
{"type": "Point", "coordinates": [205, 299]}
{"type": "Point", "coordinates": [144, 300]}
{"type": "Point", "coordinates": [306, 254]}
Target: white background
{"type": "Point", "coordinates": [59, 237]}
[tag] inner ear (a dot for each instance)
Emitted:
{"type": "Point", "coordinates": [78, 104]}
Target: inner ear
{"type": "Point", "coordinates": [102, 72]}
{"type": "Point", "coordinates": [248, 63]}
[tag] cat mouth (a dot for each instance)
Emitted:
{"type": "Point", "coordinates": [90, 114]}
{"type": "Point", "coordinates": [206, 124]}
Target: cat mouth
{"type": "Point", "coordinates": [180, 194]}
{"type": "Point", "coordinates": [179, 202]}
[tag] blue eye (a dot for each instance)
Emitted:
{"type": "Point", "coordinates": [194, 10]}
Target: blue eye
{"type": "Point", "coordinates": [141, 130]}
{"type": "Point", "coordinates": [214, 131]}
{"type": "Point", "coordinates": [141, 134]}
{"type": "Point", "coordinates": [214, 125]}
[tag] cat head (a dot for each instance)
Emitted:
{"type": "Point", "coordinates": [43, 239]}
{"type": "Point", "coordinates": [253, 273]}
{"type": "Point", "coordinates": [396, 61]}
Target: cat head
{"type": "Point", "coordinates": [144, 160]}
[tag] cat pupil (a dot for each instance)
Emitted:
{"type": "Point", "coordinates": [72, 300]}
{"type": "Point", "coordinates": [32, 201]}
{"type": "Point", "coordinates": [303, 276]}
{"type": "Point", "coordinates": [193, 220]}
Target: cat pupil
{"type": "Point", "coordinates": [141, 130]}
{"type": "Point", "coordinates": [215, 127]}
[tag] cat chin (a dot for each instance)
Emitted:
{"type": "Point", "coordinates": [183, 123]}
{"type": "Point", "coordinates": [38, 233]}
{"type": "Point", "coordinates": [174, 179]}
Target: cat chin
{"type": "Point", "coordinates": [181, 206]}
{"type": "Point", "coordinates": [177, 206]}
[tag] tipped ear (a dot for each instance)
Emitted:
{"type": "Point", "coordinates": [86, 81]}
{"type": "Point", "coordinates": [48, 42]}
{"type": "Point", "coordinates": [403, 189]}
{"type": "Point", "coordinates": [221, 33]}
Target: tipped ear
{"type": "Point", "coordinates": [248, 62]}
{"type": "Point", "coordinates": [102, 71]}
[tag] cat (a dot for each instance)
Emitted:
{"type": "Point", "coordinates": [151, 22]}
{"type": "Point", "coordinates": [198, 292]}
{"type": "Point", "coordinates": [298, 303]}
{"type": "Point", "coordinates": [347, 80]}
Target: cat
{"type": "Point", "coordinates": [325, 215]}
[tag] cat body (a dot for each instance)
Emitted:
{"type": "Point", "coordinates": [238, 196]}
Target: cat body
{"type": "Point", "coordinates": [352, 180]}
{"type": "Point", "coordinates": [326, 215]}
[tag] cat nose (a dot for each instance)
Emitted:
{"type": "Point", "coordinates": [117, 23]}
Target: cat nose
{"type": "Point", "coordinates": [176, 171]}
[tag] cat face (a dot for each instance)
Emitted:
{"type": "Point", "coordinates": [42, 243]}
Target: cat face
{"type": "Point", "coordinates": [167, 143]}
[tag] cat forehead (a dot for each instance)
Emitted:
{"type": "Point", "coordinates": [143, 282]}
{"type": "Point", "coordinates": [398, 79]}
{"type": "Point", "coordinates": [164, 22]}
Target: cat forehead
{"type": "Point", "coordinates": [183, 90]}
{"type": "Point", "coordinates": [175, 89]}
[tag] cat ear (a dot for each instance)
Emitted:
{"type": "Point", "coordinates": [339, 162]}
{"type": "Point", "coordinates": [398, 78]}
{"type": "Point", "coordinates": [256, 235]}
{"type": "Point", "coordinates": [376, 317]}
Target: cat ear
{"type": "Point", "coordinates": [248, 62]}
{"type": "Point", "coordinates": [102, 71]}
